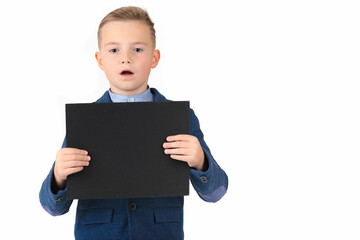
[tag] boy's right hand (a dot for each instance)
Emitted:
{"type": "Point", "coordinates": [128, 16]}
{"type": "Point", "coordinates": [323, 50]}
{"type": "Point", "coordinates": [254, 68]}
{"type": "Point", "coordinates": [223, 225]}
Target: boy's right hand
{"type": "Point", "coordinates": [69, 161]}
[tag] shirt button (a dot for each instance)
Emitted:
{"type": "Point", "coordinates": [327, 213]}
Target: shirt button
{"type": "Point", "coordinates": [132, 99]}
{"type": "Point", "coordinates": [203, 179]}
{"type": "Point", "coordinates": [132, 206]}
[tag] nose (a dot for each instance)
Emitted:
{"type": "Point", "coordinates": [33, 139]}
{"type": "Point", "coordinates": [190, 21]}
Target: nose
{"type": "Point", "coordinates": [126, 59]}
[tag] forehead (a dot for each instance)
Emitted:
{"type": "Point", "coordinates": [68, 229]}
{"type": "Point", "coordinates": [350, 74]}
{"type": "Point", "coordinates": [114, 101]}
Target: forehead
{"type": "Point", "coordinates": [125, 32]}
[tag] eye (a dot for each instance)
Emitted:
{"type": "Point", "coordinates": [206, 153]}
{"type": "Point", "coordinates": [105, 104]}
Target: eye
{"type": "Point", "coordinates": [137, 50]}
{"type": "Point", "coordinates": [114, 50]}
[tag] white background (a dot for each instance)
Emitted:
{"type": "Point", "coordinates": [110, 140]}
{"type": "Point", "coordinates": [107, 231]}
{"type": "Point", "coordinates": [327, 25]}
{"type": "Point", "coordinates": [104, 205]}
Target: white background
{"type": "Point", "coordinates": [275, 85]}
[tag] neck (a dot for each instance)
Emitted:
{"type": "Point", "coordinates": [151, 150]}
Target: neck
{"type": "Point", "coordinates": [129, 92]}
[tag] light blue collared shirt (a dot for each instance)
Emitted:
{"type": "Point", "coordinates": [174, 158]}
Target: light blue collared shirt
{"type": "Point", "coordinates": [142, 97]}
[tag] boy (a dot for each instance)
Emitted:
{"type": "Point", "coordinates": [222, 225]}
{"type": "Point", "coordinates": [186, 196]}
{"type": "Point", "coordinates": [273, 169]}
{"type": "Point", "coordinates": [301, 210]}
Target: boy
{"type": "Point", "coordinates": [126, 39]}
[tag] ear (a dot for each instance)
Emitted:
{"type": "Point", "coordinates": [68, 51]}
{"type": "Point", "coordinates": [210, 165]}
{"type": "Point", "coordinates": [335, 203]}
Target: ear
{"type": "Point", "coordinates": [99, 60]}
{"type": "Point", "coordinates": [156, 58]}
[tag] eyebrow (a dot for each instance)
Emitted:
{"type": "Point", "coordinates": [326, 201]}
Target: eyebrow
{"type": "Point", "coordinates": [134, 43]}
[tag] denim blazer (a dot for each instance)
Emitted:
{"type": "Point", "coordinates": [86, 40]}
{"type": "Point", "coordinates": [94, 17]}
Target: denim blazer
{"type": "Point", "coordinates": [137, 218]}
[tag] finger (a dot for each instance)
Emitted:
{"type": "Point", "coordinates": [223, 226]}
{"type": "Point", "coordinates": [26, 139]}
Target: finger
{"type": "Point", "coordinates": [76, 151]}
{"type": "Point", "coordinates": [182, 158]}
{"type": "Point", "coordinates": [179, 137]}
{"type": "Point", "coordinates": [177, 151]}
{"type": "Point", "coordinates": [70, 171]}
{"type": "Point", "coordinates": [176, 145]}
{"type": "Point", "coordinates": [73, 164]}
{"type": "Point", "coordinates": [69, 158]}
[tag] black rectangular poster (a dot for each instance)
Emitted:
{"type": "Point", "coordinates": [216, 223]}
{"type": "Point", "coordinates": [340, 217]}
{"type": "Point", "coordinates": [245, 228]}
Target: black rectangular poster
{"type": "Point", "coordinates": [124, 141]}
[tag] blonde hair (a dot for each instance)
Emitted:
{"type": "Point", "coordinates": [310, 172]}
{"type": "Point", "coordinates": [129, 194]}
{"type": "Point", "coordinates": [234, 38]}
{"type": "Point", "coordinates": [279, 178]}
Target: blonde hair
{"type": "Point", "coordinates": [127, 14]}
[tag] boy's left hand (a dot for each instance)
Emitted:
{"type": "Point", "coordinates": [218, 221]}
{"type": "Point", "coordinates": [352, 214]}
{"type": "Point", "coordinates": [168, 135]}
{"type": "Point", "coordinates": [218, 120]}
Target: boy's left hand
{"type": "Point", "coordinates": [185, 148]}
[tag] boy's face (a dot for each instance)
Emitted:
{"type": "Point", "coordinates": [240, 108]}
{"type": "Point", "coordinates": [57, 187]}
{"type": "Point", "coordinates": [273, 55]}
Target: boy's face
{"type": "Point", "coordinates": [127, 55]}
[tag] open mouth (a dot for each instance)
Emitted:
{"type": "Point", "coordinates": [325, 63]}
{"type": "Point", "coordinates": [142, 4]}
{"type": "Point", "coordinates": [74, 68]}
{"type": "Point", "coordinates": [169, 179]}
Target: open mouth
{"type": "Point", "coordinates": [126, 73]}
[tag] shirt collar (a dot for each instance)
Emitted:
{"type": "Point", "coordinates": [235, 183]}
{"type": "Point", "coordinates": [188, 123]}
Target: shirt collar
{"type": "Point", "coordinates": [142, 97]}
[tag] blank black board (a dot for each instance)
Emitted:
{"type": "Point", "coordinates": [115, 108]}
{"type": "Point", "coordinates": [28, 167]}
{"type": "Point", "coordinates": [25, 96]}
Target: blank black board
{"type": "Point", "coordinates": [125, 142]}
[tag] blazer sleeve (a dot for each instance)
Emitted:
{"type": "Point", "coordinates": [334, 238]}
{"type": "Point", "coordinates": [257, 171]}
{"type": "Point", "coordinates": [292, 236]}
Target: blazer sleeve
{"type": "Point", "coordinates": [212, 184]}
{"type": "Point", "coordinates": [54, 203]}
